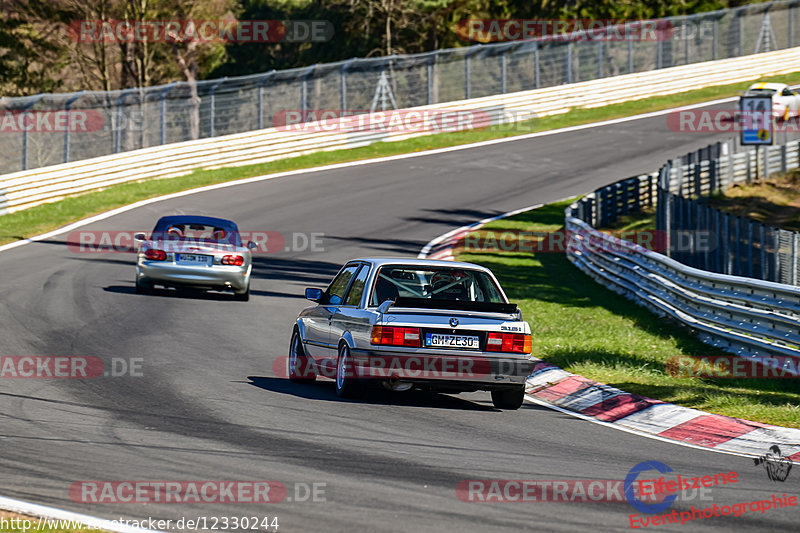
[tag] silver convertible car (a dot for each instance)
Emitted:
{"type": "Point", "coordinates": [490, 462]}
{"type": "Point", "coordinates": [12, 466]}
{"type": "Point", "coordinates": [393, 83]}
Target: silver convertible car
{"type": "Point", "coordinates": [437, 325]}
{"type": "Point", "coordinates": [189, 251]}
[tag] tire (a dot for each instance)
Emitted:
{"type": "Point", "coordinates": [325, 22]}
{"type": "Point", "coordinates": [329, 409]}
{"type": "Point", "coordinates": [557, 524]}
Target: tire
{"type": "Point", "coordinates": [143, 287]}
{"type": "Point", "coordinates": [242, 296]}
{"type": "Point", "coordinates": [299, 367]}
{"type": "Point", "coordinates": [347, 386]}
{"type": "Point", "coordinates": [510, 399]}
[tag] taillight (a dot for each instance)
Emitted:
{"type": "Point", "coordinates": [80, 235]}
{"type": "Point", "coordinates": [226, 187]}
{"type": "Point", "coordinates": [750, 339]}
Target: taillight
{"type": "Point", "coordinates": [395, 336]}
{"type": "Point", "coordinates": [233, 260]}
{"type": "Point", "coordinates": [508, 342]}
{"type": "Point", "coordinates": [155, 255]}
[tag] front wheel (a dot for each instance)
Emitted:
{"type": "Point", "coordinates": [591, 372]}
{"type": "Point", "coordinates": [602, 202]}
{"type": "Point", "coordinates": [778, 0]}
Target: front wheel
{"type": "Point", "coordinates": [347, 386]}
{"type": "Point", "coordinates": [299, 368]}
{"type": "Point", "coordinates": [508, 398]}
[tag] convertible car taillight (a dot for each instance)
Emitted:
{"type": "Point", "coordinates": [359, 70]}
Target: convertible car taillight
{"type": "Point", "coordinates": [395, 336]}
{"type": "Point", "coordinates": [508, 342]}
{"type": "Point", "coordinates": [155, 255]}
{"type": "Point", "coordinates": [233, 260]}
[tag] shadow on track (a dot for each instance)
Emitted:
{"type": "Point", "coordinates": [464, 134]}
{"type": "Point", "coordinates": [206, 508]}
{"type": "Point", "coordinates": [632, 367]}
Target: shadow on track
{"type": "Point", "coordinates": [374, 395]}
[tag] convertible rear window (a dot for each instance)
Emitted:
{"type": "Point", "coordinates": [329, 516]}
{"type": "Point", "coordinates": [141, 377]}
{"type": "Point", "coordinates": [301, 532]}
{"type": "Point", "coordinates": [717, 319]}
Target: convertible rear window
{"type": "Point", "coordinates": [760, 92]}
{"type": "Point", "coordinates": [453, 284]}
{"type": "Point", "coordinates": [197, 232]}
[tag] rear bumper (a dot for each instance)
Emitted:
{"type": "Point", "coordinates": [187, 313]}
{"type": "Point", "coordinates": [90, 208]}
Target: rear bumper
{"type": "Point", "coordinates": [200, 277]}
{"type": "Point", "coordinates": [446, 369]}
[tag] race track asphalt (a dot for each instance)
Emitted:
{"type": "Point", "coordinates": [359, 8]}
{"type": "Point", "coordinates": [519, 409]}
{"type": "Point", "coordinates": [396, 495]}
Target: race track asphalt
{"type": "Point", "coordinates": [209, 406]}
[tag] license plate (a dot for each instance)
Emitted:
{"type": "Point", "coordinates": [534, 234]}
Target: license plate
{"type": "Point", "coordinates": [468, 342]}
{"type": "Point", "coordinates": [193, 259]}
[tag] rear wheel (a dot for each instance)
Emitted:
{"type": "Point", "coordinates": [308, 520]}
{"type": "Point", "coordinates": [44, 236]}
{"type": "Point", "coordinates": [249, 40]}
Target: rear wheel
{"type": "Point", "coordinates": [242, 296]}
{"type": "Point", "coordinates": [508, 398]}
{"type": "Point", "coordinates": [299, 367]}
{"type": "Point", "coordinates": [347, 386]}
{"type": "Point", "coordinates": [143, 287]}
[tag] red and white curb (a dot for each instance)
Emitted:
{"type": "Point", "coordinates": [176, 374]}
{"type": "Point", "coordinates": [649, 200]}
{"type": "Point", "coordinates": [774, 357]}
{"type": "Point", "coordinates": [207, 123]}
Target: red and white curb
{"type": "Point", "coordinates": [576, 395]}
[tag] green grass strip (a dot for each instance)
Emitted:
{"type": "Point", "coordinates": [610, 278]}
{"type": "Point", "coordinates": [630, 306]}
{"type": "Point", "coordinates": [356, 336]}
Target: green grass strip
{"type": "Point", "coordinates": [587, 329]}
{"type": "Point", "coordinates": [47, 217]}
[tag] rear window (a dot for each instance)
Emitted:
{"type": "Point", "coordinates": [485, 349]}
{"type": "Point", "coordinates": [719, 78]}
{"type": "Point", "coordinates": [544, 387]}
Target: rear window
{"type": "Point", "coordinates": [454, 284]}
{"type": "Point", "coordinates": [197, 232]}
{"type": "Point", "coordinates": [760, 92]}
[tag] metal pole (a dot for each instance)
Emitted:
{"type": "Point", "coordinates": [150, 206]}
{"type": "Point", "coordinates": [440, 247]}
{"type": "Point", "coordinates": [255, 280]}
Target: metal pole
{"type": "Point", "coordinates": [343, 85]}
{"type": "Point", "coordinates": [304, 92]}
{"type": "Point", "coordinates": [429, 69]}
{"type": "Point", "coordinates": [740, 32]}
{"type": "Point", "coordinates": [163, 105]}
{"type": "Point", "coordinates": [118, 132]}
{"type": "Point", "coordinates": [466, 76]}
{"type": "Point", "coordinates": [686, 40]}
{"type": "Point", "coordinates": [66, 130]}
{"type": "Point", "coordinates": [536, 65]}
{"type": "Point", "coordinates": [630, 56]}
{"type": "Point", "coordinates": [659, 54]}
{"type": "Point", "coordinates": [791, 27]}
{"type": "Point", "coordinates": [714, 39]}
{"type": "Point", "coordinates": [763, 255]}
{"type": "Point", "coordinates": [261, 83]}
{"type": "Point", "coordinates": [794, 257]}
{"type": "Point", "coordinates": [213, 105]}
{"type": "Point", "coordinates": [599, 59]}
{"type": "Point", "coordinates": [503, 71]}
{"type": "Point", "coordinates": [25, 131]}
{"type": "Point", "coordinates": [569, 62]}
{"type": "Point", "coordinates": [750, 268]}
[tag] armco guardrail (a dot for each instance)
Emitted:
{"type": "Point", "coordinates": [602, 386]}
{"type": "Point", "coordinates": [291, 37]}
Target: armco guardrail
{"type": "Point", "coordinates": [745, 316]}
{"type": "Point", "coordinates": [136, 118]}
{"type": "Point", "coordinates": [21, 190]}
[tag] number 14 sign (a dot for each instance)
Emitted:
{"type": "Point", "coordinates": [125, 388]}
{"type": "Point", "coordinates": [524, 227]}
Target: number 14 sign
{"type": "Point", "coordinates": [757, 122]}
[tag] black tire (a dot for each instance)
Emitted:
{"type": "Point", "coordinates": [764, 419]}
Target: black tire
{"type": "Point", "coordinates": [242, 296]}
{"type": "Point", "coordinates": [143, 288]}
{"type": "Point", "coordinates": [508, 398]}
{"type": "Point", "coordinates": [347, 385]}
{"type": "Point", "coordinates": [300, 370]}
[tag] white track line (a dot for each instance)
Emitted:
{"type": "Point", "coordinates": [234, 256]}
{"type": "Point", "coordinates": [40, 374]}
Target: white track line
{"type": "Point", "coordinates": [40, 510]}
{"type": "Point", "coordinates": [350, 164]}
{"type": "Point", "coordinates": [32, 509]}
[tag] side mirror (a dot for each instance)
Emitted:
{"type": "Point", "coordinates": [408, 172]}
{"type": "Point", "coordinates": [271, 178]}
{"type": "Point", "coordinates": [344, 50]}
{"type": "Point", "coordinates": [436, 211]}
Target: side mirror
{"type": "Point", "coordinates": [315, 295]}
{"type": "Point", "coordinates": [251, 245]}
{"type": "Point", "coordinates": [139, 237]}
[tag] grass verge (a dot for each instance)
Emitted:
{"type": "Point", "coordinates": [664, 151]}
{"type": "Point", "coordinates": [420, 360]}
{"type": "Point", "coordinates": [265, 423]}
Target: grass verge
{"type": "Point", "coordinates": [40, 219]}
{"type": "Point", "coordinates": [775, 201]}
{"type": "Point", "coordinates": [587, 329]}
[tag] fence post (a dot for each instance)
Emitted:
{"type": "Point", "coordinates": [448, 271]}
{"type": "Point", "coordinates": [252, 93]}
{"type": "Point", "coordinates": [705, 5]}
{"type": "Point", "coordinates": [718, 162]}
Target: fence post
{"type": "Point", "coordinates": [261, 97]}
{"type": "Point", "coordinates": [66, 130]}
{"type": "Point", "coordinates": [791, 27]}
{"type": "Point", "coordinates": [686, 40]}
{"type": "Point", "coordinates": [630, 56]}
{"type": "Point", "coordinates": [763, 253]}
{"type": "Point", "coordinates": [740, 31]}
{"type": "Point", "coordinates": [503, 71]}
{"type": "Point", "coordinates": [659, 54]}
{"type": "Point", "coordinates": [466, 75]}
{"type": "Point", "coordinates": [25, 132]}
{"type": "Point", "coordinates": [118, 131]}
{"type": "Point", "coordinates": [213, 105]}
{"type": "Point", "coordinates": [737, 250]}
{"type": "Point", "coordinates": [429, 68]}
{"type": "Point", "coordinates": [304, 91]}
{"type": "Point", "coordinates": [750, 268]}
{"type": "Point", "coordinates": [536, 80]}
{"type": "Point", "coordinates": [726, 231]}
{"type": "Point", "coordinates": [163, 109]}
{"type": "Point", "coordinates": [795, 247]}
{"type": "Point", "coordinates": [719, 265]}
{"type": "Point", "coordinates": [569, 62]}
{"type": "Point", "coordinates": [714, 30]}
{"type": "Point", "coordinates": [343, 84]}
{"type": "Point", "coordinates": [599, 59]}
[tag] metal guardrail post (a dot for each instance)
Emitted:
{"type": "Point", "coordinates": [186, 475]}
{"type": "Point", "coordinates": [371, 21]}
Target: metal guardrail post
{"type": "Point", "coordinates": [163, 109]}
{"type": "Point", "coordinates": [568, 64]}
{"type": "Point", "coordinates": [118, 130]}
{"type": "Point", "coordinates": [25, 109]}
{"type": "Point", "coordinates": [429, 71]}
{"type": "Point", "coordinates": [261, 83]}
{"type": "Point", "coordinates": [69, 122]}
{"type": "Point", "coordinates": [503, 71]}
{"type": "Point", "coordinates": [211, 92]}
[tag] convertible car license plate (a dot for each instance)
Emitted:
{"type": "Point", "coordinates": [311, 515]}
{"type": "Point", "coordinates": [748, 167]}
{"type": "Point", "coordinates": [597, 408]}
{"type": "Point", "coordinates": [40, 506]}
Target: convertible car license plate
{"type": "Point", "coordinates": [452, 341]}
{"type": "Point", "coordinates": [193, 259]}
